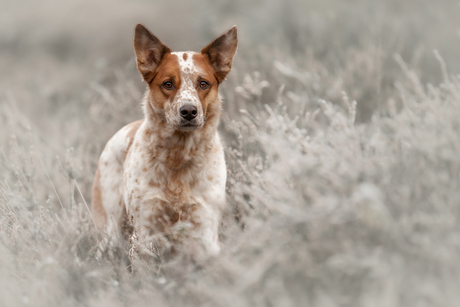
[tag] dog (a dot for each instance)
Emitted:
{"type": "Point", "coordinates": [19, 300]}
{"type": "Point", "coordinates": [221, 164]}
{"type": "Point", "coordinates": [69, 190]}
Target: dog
{"type": "Point", "coordinates": [169, 168]}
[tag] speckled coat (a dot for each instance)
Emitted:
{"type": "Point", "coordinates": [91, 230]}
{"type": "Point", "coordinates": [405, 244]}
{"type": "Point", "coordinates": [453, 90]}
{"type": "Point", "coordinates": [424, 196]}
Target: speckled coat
{"type": "Point", "coordinates": [167, 168]}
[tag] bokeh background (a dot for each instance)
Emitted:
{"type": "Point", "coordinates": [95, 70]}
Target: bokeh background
{"type": "Point", "coordinates": [342, 132]}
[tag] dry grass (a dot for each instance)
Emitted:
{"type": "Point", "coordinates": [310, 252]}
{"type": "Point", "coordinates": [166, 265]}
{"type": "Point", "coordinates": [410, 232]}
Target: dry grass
{"type": "Point", "coordinates": [332, 202]}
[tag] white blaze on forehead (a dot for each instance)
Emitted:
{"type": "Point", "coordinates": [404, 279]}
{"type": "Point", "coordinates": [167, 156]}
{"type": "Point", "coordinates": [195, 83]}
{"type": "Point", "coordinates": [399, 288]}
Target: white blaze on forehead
{"type": "Point", "coordinates": [187, 66]}
{"type": "Point", "coordinates": [189, 73]}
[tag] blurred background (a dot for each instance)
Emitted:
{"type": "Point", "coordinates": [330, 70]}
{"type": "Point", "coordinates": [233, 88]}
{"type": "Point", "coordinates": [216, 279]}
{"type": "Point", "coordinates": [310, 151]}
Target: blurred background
{"type": "Point", "coordinates": [59, 58]}
{"type": "Point", "coordinates": [330, 202]}
{"type": "Point", "coordinates": [56, 50]}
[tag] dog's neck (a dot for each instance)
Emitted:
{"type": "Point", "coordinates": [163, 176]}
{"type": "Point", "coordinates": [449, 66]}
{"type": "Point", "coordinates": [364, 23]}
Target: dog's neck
{"type": "Point", "coordinates": [173, 148]}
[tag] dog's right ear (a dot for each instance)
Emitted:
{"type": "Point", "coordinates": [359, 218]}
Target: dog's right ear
{"type": "Point", "coordinates": [149, 52]}
{"type": "Point", "coordinates": [221, 51]}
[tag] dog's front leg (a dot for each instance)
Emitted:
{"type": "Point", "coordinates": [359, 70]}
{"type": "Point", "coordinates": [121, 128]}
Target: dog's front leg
{"type": "Point", "coordinates": [207, 232]}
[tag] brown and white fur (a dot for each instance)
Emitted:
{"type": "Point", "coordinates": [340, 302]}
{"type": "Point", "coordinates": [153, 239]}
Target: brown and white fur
{"type": "Point", "coordinates": [169, 167]}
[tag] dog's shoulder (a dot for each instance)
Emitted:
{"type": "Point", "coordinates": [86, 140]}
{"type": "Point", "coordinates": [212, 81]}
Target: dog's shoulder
{"type": "Point", "coordinates": [119, 144]}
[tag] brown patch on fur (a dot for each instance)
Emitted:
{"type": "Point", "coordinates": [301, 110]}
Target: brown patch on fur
{"type": "Point", "coordinates": [208, 97]}
{"type": "Point", "coordinates": [152, 184]}
{"type": "Point", "coordinates": [97, 208]}
{"type": "Point", "coordinates": [168, 70]}
{"type": "Point", "coordinates": [148, 133]}
{"type": "Point", "coordinates": [167, 215]}
{"type": "Point", "coordinates": [185, 56]}
{"type": "Point", "coordinates": [127, 228]}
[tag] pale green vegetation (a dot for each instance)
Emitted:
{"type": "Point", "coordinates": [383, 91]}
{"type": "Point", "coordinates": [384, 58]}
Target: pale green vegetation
{"type": "Point", "coordinates": [332, 202]}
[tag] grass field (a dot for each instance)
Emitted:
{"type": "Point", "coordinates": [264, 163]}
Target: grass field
{"type": "Point", "coordinates": [342, 133]}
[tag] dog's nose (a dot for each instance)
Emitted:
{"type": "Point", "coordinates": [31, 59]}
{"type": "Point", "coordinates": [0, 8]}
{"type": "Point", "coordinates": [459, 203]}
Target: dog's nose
{"type": "Point", "coordinates": [188, 111]}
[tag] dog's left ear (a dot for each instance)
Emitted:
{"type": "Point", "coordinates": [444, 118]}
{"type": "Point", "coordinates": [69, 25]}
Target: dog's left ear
{"type": "Point", "coordinates": [221, 51]}
{"type": "Point", "coordinates": [149, 52]}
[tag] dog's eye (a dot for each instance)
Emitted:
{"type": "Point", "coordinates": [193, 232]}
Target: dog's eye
{"type": "Point", "coordinates": [204, 85]}
{"type": "Point", "coordinates": [168, 85]}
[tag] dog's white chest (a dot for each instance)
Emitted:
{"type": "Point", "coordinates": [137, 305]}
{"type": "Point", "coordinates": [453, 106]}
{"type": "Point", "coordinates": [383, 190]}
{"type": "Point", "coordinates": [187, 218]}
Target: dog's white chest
{"type": "Point", "coordinates": [157, 196]}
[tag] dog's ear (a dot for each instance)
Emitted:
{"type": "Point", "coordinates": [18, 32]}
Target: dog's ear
{"type": "Point", "coordinates": [149, 52]}
{"type": "Point", "coordinates": [221, 51]}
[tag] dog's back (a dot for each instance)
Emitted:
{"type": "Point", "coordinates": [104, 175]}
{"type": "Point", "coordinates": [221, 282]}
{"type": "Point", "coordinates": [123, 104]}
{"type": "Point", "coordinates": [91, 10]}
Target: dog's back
{"type": "Point", "coordinates": [107, 192]}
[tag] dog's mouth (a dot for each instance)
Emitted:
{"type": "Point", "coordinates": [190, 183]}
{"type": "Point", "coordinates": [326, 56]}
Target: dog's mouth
{"type": "Point", "coordinates": [188, 126]}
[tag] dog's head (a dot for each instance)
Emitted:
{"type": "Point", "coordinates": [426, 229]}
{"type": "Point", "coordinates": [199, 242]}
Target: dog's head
{"type": "Point", "coordinates": [184, 85]}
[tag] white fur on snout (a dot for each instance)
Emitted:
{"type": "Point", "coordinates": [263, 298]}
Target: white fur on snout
{"type": "Point", "coordinates": [187, 93]}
